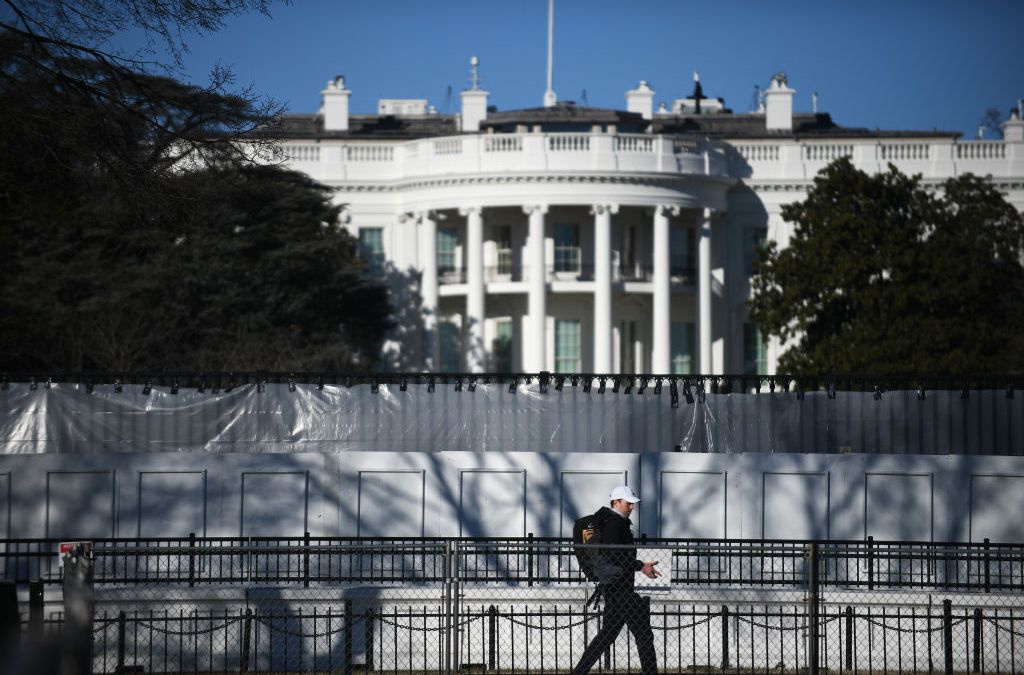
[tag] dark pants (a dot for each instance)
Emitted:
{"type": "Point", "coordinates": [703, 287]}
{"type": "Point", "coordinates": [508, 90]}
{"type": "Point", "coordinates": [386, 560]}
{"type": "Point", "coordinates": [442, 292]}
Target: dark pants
{"type": "Point", "coordinates": [622, 608]}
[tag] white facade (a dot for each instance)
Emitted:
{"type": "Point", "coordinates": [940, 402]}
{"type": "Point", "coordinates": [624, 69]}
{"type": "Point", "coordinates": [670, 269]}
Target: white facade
{"type": "Point", "coordinates": [643, 228]}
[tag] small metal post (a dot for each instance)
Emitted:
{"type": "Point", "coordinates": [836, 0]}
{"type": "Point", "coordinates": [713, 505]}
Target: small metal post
{"type": "Point", "coordinates": [492, 636]}
{"type": "Point", "coordinates": [368, 631]}
{"type": "Point", "coordinates": [456, 607]}
{"type": "Point", "coordinates": [947, 634]}
{"type": "Point", "coordinates": [347, 654]}
{"type": "Point", "coordinates": [529, 559]}
{"type": "Point", "coordinates": [36, 600]}
{"type": "Point", "coordinates": [448, 627]}
{"type": "Point", "coordinates": [191, 559]}
{"type": "Point", "coordinates": [305, 561]}
{"type": "Point", "coordinates": [871, 563]}
{"type": "Point", "coordinates": [988, 573]}
{"type": "Point", "coordinates": [246, 640]}
{"type": "Point", "coordinates": [725, 637]}
{"type": "Point", "coordinates": [120, 640]}
{"type": "Point", "coordinates": [78, 606]}
{"type": "Point", "coordinates": [849, 637]}
{"type": "Point", "coordinates": [977, 641]}
{"type": "Point", "coordinates": [813, 609]}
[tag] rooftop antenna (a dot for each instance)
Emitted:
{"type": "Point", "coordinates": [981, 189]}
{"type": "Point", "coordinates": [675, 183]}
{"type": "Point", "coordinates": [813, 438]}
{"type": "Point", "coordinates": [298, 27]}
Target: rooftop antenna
{"type": "Point", "coordinates": [474, 78]}
{"type": "Point", "coordinates": [549, 95]}
{"type": "Point", "coordinates": [814, 103]}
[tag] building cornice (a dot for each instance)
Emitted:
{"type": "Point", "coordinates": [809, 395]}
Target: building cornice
{"type": "Point", "coordinates": [646, 180]}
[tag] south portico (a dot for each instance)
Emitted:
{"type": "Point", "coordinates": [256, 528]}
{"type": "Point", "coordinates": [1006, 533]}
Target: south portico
{"type": "Point", "coordinates": [617, 271]}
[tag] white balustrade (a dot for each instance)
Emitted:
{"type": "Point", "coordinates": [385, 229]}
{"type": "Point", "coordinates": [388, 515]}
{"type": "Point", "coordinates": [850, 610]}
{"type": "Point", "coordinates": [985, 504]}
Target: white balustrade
{"type": "Point", "coordinates": [759, 153]}
{"type": "Point", "coordinates": [568, 143]}
{"type": "Point", "coordinates": [981, 150]}
{"type": "Point", "coordinates": [503, 143]}
{"type": "Point", "coordinates": [634, 144]}
{"type": "Point", "coordinates": [904, 152]}
{"type": "Point", "coordinates": [448, 146]}
{"type": "Point", "coordinates": [370, 153]}
{"type": "Point", "coordinates": [686, 146]}
{"type": "Point", "coordinates": [301, 153]}
{"type": "Point", "coordinates": [826, 152]}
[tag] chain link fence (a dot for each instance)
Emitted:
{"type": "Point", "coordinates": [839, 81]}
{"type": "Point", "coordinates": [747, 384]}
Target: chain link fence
{"type": "Point", "coordinates": [522, 606]}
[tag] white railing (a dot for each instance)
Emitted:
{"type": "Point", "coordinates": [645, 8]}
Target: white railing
{"type": "Point", "coordinates": [301, 153]}
{"type": "Point", "coordinates": [686, 146]}
{"type": "Point", "coordinates": [826, 152]}
{"type": "Point", "coordinates": [759, 153]}
{"type": "Point", "coordinates": [904, 151]}
{"type": "Point", "coordinates": [503, 143]}
{"type": "Point", "coordinates": [634, 144]}
{"type": "Point", "coordinates": [981, 150]}
{"type": "Point", "coordinates": [448, 146]}
{"type": "Point", "coordinates": [569, 143]}
{"type": "Point", "coordinates": [369, 153]}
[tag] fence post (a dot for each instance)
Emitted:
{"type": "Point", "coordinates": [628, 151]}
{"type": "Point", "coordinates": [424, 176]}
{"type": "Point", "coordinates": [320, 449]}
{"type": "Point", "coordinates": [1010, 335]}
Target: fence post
{"type": "Point", "coordinates": [813, 610]}
{"type": "Point", "coordinates": [447, 590]}
{"type": "Point", "coordinates": [191, 559]}
{"type": "Point", "coordinates": [456, 607]}
{"type": "Point", "coordinates": [368, 631]}
{"type": "Point", "coordinates": [849, 637]}
{"type": "Point", "coordinates": [871, 563]}
{"type": "Point", "coordinates": [988, 576]}
{"type": "Point", "coordinates": [725, 637]}
{"type": "Point", "coordinates": [977, 641]}
{"type": "Point", "coordinates": [492, 636]}
{"type": "Point", "coordinates": [36, 600]}
{"type": "Point", "coordinates": [347, 654]}
{"type": "Point", "coordinates": [947, 634]}
{"type": "Point", "coordinates": [529, 559]}
{"type": "Point", "coordinates": [246, 640]}
{"type": "Point", "coordinates": [120, 640]}
{"type": "Point", "coordinates": [305, 561]}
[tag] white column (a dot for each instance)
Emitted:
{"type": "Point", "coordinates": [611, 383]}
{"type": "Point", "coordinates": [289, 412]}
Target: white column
{"type": "Point", "coordinates": [537, 298]}
{"type": "Point", "coordinates": [661, 352]}
{"type": "Point", "coordinates": [603, 286]}
{"type": "Point", "coordinates": [475, 288]}
{"type": "Point", "coordinates": [704, 292]}
{"type": "Point", "coordinates": [428, 269]}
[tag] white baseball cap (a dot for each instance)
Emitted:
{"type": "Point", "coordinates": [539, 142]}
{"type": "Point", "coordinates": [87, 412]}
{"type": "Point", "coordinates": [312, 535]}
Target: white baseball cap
{"type": "Point", "coordinates": [624, 492]}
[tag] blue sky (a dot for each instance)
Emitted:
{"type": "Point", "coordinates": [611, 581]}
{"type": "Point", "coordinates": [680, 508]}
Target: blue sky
{"type": "Point", "coordinates": [899, 64]}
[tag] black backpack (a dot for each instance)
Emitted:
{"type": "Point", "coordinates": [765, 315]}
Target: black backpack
{"type": "Point", "coordinates": [586, 532]}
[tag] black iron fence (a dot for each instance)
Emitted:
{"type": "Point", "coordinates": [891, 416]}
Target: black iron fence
{"type": "Point", "coordinates": [522, 606]}
{"type": "Point", "coordinates": [307, 560]}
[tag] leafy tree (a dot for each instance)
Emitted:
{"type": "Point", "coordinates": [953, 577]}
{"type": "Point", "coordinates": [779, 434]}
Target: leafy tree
{"type": "Point", "coordinates": [126, 245]}
{"type": "Point", "coordinates": [882, 276]}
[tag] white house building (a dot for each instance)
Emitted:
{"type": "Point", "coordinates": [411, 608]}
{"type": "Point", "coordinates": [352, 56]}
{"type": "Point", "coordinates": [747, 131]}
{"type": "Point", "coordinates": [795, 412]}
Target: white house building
{"type": "Point", "coordinates": [576, 239]}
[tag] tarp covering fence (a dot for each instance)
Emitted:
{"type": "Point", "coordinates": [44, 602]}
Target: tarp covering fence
{"type": "Point", "coordinates": [295, 417]}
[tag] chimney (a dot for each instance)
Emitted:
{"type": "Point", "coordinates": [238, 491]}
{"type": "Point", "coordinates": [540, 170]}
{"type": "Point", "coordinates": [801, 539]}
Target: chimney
{"type": "Point", "coordinates": [1013, 128]}
{"type": "Point", "coordinates": [641, 100]}
{"type": "Point", "coordinates": [779, 105]}
{"type": "Point", "coordinates": [334, 105]}
{"type": "Point", "coordinates": [474, 101]}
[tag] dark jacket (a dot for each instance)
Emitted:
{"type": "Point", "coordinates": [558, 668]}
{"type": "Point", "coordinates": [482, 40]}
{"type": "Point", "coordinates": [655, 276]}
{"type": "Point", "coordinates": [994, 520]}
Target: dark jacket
{"type": "Point", "coordinates": [616, 568]}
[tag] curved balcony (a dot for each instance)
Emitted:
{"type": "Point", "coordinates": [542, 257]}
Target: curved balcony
{"type": "Point", "coordinates": [503, 154]}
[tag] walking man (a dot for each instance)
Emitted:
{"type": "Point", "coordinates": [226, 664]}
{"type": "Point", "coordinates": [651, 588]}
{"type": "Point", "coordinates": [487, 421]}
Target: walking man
{"type": "Point", "coordinates": [616, 568]}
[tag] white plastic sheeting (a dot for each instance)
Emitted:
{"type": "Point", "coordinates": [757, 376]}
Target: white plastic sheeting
{"type": "Point", "coordinates": [69, 418]}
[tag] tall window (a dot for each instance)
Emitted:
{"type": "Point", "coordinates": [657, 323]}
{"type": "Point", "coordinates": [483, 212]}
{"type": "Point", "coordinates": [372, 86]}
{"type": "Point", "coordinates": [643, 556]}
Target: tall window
{"type": "Point", "coordinates": [371, 249]}
{"type": "Point", "coordinates": [627, 347]}
{"type": "Point", "coordinates": [753, 242]}
{"type": "Point", "coordinates": [628, 248]}
{"type": "Point", "coordinates": [755, 351]}
{"type": "Point", "coordinates": [567, 346]}
{"type": "Point", "coordinates": [449, 335]}
{"type": "Point", "coordinates": [501, 347]}
{"type": "Point", "coordinates": [446, 251]}
{"type": "Point", "coordinates": [567, 248]}
{"type": "Point", "coordinates": [682, 348]}
{"type": "Point", "coordinates": [681, 251]}
{"type": "Point", "coordinates": [503, 242]}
